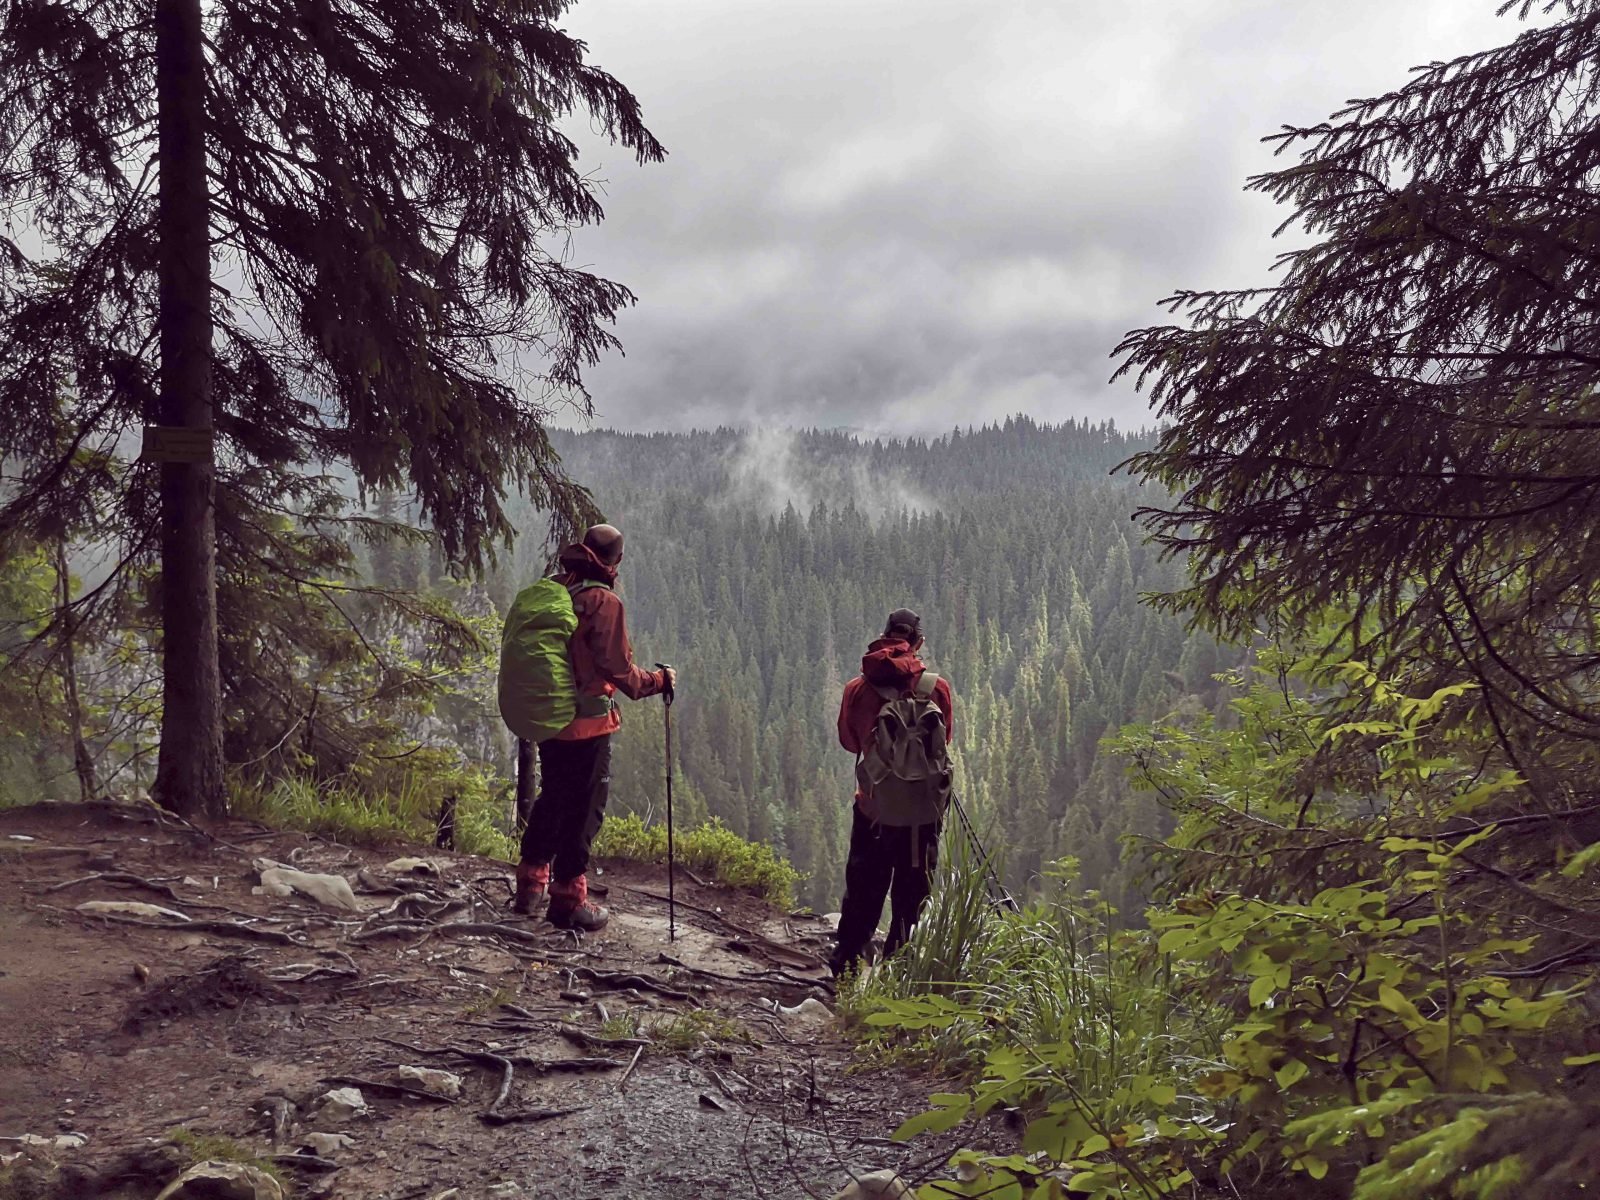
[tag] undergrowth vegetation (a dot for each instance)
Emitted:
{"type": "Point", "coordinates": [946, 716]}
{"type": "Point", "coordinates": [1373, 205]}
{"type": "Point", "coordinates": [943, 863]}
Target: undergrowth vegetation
{"type": "Point", "coordinates": [711, 847]}
{"type": "Point", "coordinates": [409, 810]}
{"type": "Point", "coordinates": [1326, 1003]}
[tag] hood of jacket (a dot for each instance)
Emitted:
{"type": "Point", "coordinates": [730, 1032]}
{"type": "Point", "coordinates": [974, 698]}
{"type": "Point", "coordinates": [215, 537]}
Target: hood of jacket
{"type": "Point", "coordinates": [583, 563]}
{"type": "Point", "coordinates": [890, 663]}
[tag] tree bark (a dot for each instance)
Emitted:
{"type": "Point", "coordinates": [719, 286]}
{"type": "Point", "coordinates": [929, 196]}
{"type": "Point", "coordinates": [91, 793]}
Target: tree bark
{"type": "Point", "coordinates": [189, 770]}
{"type": "Point", "coordinates": [82, 761]}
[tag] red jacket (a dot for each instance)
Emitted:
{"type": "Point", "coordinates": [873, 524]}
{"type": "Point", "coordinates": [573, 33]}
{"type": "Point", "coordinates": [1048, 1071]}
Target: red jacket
{"type": "Point", "coordinates": [888, 663]}
{"type": "Point", "coordinates": [602, 656]}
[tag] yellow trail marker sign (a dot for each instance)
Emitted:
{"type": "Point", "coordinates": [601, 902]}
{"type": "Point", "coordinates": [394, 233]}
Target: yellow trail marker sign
{"type": "Point", "coordinates": [176, 443]}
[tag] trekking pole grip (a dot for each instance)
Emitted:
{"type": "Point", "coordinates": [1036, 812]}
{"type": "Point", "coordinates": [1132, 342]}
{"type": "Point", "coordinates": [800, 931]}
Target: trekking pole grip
{"type": "Point", "coordinates": [669, 694]}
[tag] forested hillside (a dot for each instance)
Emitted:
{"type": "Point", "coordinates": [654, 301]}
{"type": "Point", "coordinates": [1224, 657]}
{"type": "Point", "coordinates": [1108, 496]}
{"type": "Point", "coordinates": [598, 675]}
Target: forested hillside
{"type": "Point", "coordinates": [761, 565]}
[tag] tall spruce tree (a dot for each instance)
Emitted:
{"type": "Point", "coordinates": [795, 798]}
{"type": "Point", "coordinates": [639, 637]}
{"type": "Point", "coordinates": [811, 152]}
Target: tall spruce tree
{"type": "Point", "coordinates": [319, 231]}
{"type": "Point", "coordinates": [1407, 425]}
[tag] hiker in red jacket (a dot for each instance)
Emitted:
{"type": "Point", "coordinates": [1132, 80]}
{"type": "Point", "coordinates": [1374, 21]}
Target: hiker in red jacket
{"type": "Point", "coordinates": [885, 860]}
{"type": "Point", "coordinates": [575, 765]}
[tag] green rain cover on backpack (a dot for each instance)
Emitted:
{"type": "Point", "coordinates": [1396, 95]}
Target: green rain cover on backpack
{"type": "Point", "coordinates": [906, 765]}
{"type": "Point", "coordinates": [538, 697]}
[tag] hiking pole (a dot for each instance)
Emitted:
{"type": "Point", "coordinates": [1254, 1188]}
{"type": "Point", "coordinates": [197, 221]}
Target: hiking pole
{"type": "Point", "coordinates": [672, 864]}
{"type": "Point", "coordinates": [997, 890]}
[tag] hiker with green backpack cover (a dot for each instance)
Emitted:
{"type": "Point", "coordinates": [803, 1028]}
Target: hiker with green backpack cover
{"type": "Point", "coordinates": [897, 718]}
{"type": "Point", "coordinates": [564, 656]}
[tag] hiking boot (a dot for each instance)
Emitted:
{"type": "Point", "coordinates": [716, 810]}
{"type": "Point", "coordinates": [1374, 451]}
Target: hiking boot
{"type": "Point", "coordinates": [533, 884]}
{"type": "Point", "coordinates": [570, 907]}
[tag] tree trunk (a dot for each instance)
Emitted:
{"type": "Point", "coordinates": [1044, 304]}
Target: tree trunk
{"type": "Point", "coordinates": [189, 771]}
{"type": "Point", "coordinates": [82, 761]}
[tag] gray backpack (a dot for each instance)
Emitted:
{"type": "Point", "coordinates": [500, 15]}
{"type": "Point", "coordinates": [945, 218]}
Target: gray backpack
{"type": "Point", "coordinates": [905, 766]}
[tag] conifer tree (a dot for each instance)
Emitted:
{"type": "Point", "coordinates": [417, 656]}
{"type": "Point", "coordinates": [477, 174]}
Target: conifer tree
{"type": "Point", "coordinates": [302, 232]}
{"type": "Point", "coordinates": [1407, 425]}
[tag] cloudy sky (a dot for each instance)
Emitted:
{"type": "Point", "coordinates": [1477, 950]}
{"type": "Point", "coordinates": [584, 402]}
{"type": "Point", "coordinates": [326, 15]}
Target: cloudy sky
{"type": "Point", "coordinates": [901, 215]}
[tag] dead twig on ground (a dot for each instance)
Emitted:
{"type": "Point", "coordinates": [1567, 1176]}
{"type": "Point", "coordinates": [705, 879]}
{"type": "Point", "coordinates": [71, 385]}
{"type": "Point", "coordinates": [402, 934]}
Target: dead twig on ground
{"type": "Point", "coordinates": [224, 928]}
{"type": "Point", "coordinates": [583, 1038]}
{"type": "Point", "coordinates": [166, 890]}
{"type": "Point", "coordinates": [526, 1116]}
{"type": "Point", "coordinates": [616, 980]}
{"type": "Point", "coordinates": [772, 976]}
{"type": "Point", "coordinates": [507, 1070]}
{"type": "Point", "coordinates": [306, 1162]}
{"type": "Point", "coordinates": [461, 928]}
{"type": "Point", "coordinates": [280, 1114]}
{"type": "Point", "coordinates": [543, 1065]}
{"type": "Point", "coordinates": [632, 1066]}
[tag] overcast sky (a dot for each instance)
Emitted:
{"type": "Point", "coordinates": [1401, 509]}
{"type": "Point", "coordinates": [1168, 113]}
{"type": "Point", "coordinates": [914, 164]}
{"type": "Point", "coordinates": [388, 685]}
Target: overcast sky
{"type": "Point", "coordinates": [903, 215]}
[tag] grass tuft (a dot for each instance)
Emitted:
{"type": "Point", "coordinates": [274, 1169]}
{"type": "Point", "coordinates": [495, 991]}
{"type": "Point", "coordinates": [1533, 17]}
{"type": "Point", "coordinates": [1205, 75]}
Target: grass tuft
{"type": "Point", "coordinates": [1057, 973]}
{"type": "Point", "coordinates": [686, 1031]}
{"type": "Point", "coordinates": [215, 1147]}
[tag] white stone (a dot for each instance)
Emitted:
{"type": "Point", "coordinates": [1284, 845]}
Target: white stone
{"type": "Point", "coordinates": [222, 1181]}
{"type": "Point", "coordinates": [326, 1145]}
{"type": "Point", "coordinates": [342, 1103]}
{"type": "Point", "coordinates": [413, 866]}
{"type": "Point", "coordinates": [330, 891]}
{"type": "Point", "coordinates": [63, 1141]}
{"type": "Point", "coordinates": [879, 1185]}
{"type": "Point", "coordinates": [809, 1011]}
{"type": "Point", "coordinates": [438, 1083]}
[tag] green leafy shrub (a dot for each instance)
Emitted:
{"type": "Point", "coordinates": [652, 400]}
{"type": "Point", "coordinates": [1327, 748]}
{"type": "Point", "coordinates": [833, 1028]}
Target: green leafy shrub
{"type": "Point", "coordinates": [1347, 992]}
{"type": "Point", "coordinates": [711, 847]}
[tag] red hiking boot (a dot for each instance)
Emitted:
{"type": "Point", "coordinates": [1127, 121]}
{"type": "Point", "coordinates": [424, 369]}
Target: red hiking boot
{"type": "Point", "coordinates": [570, 907]}
{"type": "Point", "coordinates": [533, 884]}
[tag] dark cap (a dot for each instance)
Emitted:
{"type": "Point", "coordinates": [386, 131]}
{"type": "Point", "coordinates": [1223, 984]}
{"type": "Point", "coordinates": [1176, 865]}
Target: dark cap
{"type": "Point", "coordinates": [606, 542]}
{"type": "Point", "coordinates": [904, 621]}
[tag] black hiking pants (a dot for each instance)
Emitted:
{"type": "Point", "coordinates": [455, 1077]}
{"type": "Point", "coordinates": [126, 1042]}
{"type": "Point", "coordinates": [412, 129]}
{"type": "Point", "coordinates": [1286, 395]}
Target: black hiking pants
{"type": "Point", "coordinates": [886, 861]}
{"type": "Point", "coordinates": [574, 784]}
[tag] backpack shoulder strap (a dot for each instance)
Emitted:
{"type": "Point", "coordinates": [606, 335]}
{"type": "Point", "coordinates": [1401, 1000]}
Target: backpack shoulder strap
{"type": "Point", "coordinates": [926, 682]}
{"type": "Point", "coordinates": [583, 585]}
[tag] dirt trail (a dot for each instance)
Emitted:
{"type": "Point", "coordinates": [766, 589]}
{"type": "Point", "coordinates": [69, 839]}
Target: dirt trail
{"type": "Point", "coordinates": [126, 1032]}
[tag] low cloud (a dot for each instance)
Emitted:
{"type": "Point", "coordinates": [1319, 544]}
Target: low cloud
{"type": "Point", "coordinates": [909, 217]}
{"type": "Point", "coordinates": [766, 473]}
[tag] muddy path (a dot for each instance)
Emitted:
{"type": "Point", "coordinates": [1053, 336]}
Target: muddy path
{"type": "Point", "coordinates": [619, 1064]}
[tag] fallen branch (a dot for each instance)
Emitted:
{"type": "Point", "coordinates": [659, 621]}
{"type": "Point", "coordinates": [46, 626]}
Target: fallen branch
{"type": "Point", "coordinates": [493, 1111]}
{"type": "Point", "coordinates": [454, 928]}
{"type": "Point", "coordinates": [627, 979]}
{"type": "Point", "coordinates": [150, 885]}
{"type": "Point", "coordinates": [419, 906]}
{"type": "Point", "coordinates": [307, 1162]}
{"type": "Point", "coordinates": [771, 976]}
{"type": "Point", "coordinates": [225, 928]}
{"type": "Point", "coordinates": [544, 1065]}
{"type": "Point", "coordinates": [573, 1034]}
{"type": "Point", "coordinates": [527, 1116]}
{"type": "Point", "coordinates": [384, 1089]}
{"type": "Point", "coordinates": [160, 889]}
{"type": "Point", "coordinates": [308, 972]}
{"type": "Point", "coordinates": [280, 1112]}
{"type": "Point", "coordinates": [628, 1074]}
